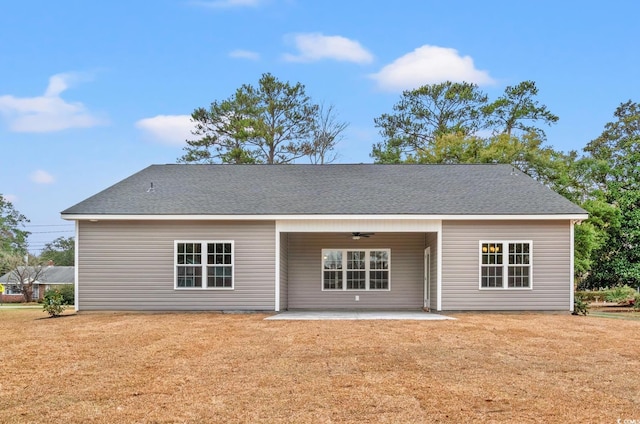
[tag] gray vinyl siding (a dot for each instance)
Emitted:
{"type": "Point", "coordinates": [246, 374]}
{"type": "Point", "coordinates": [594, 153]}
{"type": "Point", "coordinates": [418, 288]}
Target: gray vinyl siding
{"type": "Point", "coordinates": [284, 271]}
{"type": "Point", "coordinates": [305, 272]}
{"type": "Point", "coordinates": [551, 265]}
{"type": "Point", "coordinates": [129, 265]}
{"type": "Point", "coordinates": [432, 242]}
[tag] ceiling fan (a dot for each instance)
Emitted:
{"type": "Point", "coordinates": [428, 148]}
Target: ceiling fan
{"type": "Point", "coordinates": [357, 235]}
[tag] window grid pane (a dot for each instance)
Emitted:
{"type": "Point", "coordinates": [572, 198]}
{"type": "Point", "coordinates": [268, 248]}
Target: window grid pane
{"type": "Point", "coordinates": [378, 259]}
{"type": "Point", "coordinates": [220, 277]}
{"type": "Point", "coordinates": [491, 276]}
{"type": "Point", "coordinates": [378, 280]}
{"type": "Point", "coordinates": [189, 276]}
{"type": "Point", "coordinates": [356, 280]}
{"type": "Point", "coordinates": [189, 253]}
{"type": "Point", "coordinates": [492, 253]}
{"type": "Point", "coordinates": [518, 276]}
{"type": "Point", "coordinates": [219, 253]}
{"type": "Point", "coordinates": [332, 259]}
{"type": "Point", "coordinates": [355, 260]}
{"type": "Point", "coordinates": [518, 253]}
{"type": "Point", "coordinates": [332, 280]}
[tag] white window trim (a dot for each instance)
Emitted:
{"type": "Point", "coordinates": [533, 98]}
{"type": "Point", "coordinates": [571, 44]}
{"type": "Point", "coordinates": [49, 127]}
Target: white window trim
{"type": "Point", "coordinates": [344, 269]}
{"type": "Point", "coordinates": [203, 264]}
{"type": "Point", "coordinates": [505, 264]}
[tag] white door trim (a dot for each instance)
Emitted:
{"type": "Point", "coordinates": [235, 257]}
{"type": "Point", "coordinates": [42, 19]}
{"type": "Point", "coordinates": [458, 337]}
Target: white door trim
{"type": "Point", "coordinates": [427, 278]}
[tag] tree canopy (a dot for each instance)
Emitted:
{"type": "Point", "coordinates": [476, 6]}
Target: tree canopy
{"type": "Point", "coordinates": [425, 118]}
{"type": "Point", "coordinates": [60, 251]}
{"type": "Point", "coordinates": [425, 113]}
{"type": "Point", "coordinates": [275, 122]}
{"type": "Point", "coordinates": [612, 160]}
{"type": "Point", "coordinates": [13, 237]}
{"type": "Point", "coordinates": [516, 109]}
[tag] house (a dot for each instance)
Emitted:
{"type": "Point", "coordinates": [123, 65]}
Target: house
{"type": "Point", "coordinates": [50, 277]}
{"type": "Point", "coordinates": [278, 237]}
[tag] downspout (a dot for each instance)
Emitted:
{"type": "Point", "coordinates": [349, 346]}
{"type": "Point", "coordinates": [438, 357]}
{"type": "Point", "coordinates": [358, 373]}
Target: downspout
{"type": "Point", "coordinates": [277, 267]}
{"type": "Point", "coordinates": [572, 223]}
{"type": "Point", "coordinates": [439, 269]}
{"type": "Point", "coordinates": [76, 268]}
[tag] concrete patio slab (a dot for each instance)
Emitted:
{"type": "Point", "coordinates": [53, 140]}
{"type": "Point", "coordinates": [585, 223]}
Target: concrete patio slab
{"type": "Point", "coordinates": [358, 315]}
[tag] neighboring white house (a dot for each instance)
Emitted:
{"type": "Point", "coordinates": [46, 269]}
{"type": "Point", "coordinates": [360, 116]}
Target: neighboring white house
{"type": "Point", "coordinates": [277, 237]}
{"type": "Point", "coordinates": [51, 276]}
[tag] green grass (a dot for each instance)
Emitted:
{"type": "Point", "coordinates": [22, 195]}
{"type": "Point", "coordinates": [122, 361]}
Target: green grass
{"type": "Point", "coordinates": [633, 316]}
{"type": "Point", "coordinates": [20, 305]}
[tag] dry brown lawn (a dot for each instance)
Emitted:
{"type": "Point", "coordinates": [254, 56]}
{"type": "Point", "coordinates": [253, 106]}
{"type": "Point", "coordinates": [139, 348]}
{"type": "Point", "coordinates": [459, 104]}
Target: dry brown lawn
{"type": "Point", "coordinates": [206, 367]}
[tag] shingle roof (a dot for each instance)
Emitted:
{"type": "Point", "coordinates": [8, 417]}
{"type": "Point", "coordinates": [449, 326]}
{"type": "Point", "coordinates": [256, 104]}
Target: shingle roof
{"type": "Point", "coordinates": [52, 275]}
{"type": "Point", "coordinates": [189, 189]}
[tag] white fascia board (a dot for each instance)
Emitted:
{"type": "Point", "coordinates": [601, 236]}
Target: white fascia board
{"type": "Point", "coordinates": [95, 217]}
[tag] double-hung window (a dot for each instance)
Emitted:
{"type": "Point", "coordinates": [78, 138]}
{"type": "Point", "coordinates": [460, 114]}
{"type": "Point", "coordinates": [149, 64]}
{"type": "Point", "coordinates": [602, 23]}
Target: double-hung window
{"type": "Point", "coordinates": [505, 265]}
{"type": "Point", "coordinates": [355, 269]}
{"type": "Point", "coordinates": [203, 264]}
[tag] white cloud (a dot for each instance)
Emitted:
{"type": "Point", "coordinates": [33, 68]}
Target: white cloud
{"type": "Point", "coordinates": [244, 54]}
{"type": "Point", "coordinates": [49, 112]}
{"type": "Point", "coordinates": [429, 65]}
{"type": "Point", "coordinates": [172, 130]}
{"type": "Point", "coordinates": [42, 177]}
{"type": "Point", "coordinates": [11, 198]}
{"type": "Point", "coordinates": [227, 4]}
{"type": "Point", "coordinates": [313, 47]}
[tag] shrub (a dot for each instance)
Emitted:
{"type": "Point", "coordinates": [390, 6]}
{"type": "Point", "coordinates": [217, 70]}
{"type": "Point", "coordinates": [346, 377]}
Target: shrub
{"type": "Point", "coordinates": [53, 303]}
{"type": "Point", "coordinates": [620, 294]}
{"type": "Point", "coordinates": [636, 302]}
{"type": "Point", "coordinates": [580, 306]}
{"type": "Point", "coordinates": [68, 294]}
{"type": "Point", "coordinates": [67, 291]}
{"type": "Point", "coordinates": [591, 295]}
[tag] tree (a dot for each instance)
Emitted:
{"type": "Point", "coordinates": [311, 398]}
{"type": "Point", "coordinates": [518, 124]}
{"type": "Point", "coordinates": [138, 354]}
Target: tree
{"type": "Point", "coordinates": [526, 152]}
{"type": "Point", "coordinates": [614, 157]}
{"type": "Point", "coordinates": [272, 123]}
{"type": "Point", "coordinates": [515, 108]}
{"type": "Point", "coordinates": [327, 133]}
{"type": "Point", "coordinates": [428, 113]}
{"type": "Point", "coordinates": [425, 113]}
{"type": "Point", "coordinates": [60, 251]}
{"type": "Point", "coordinates": [23, 276]}
{"type": "Point", "coordinates": [13, 239]}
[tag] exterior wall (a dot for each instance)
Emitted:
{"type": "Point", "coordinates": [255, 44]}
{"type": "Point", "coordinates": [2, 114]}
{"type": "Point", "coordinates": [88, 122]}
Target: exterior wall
{"type": "Point", "coordinates": [129, 265]}
{"type": "Point", "coordinates": [551, 265]}
{"type": "Point", "coordinates": [38, 294]}
{"type": "Point", "coordinates": [305, 272]}
{"type": "Point", "coordinates": [11, 298]}
{"type": "Point", "coordinates": [432, 242]}
{"type": "Point", "coordinates": [284, 271]}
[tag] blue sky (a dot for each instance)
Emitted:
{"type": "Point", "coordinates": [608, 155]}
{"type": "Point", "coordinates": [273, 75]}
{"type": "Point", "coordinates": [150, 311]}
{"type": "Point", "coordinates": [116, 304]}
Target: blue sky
{"type": "Point", "coordinates": [92, 92]}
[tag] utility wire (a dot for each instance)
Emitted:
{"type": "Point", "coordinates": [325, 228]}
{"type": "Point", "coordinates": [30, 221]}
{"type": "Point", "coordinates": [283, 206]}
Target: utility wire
{"type": "Point", "coordinates": [49, 225]}
{"type": "Point", "coordinates": [49, 232]}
